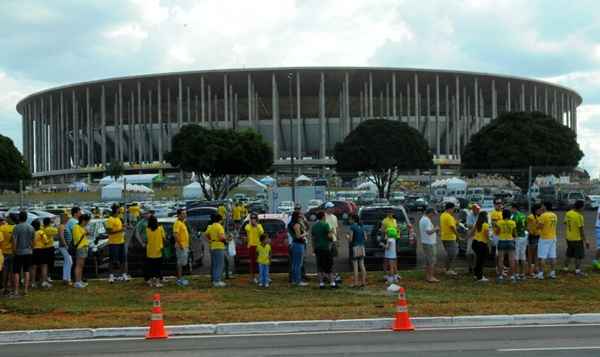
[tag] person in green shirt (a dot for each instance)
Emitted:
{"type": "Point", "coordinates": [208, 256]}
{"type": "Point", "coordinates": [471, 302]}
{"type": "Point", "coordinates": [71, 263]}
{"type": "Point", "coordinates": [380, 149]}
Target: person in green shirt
{"type": "Point", "coordinates": [322, 236]}
{"type": "Point", "coordinates": [521, 241]}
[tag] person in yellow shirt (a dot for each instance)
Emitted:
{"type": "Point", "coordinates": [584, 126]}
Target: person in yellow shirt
{"type": "Point", "coordinates": [547, 244]}
{"type": "Point", "coordinates": [81, 243]}
{"type": "Point", "coordinates": [533, 238]}
{"type": "Point", "coordinates": [253, 232]}
{"type": "Point", "coordinates": [506, 230]}
{"type": "Point", "coordinates": [116, 246]}
{"type": "Point", "coordinates": [576, 242]}
{"type": "Point", "coordinates": [263, 253]}
{"type": "Point", "coordinates": [6, 245]}
{"type": "Point", "coordinates": [389, 222]}
{"type": "Point", "coordinates": [40, 258]}
{"type": "Point", "coordinates": [52, 233]}
{"type": "Point", "coordinates": [134, 212]}
{"type": "Point", "coordinates": [236, 214]}
{"type": "Point", "coordinates": [449, 234]}
{"type": "Point", "coordinates": [222, 211]}
{"type": "Point", "coordinates": [215, 234]}
{"type": "Point", "coordinates": [2, 223]}
{"type": "Point", "coordinates": [182, 245]}
{"type": "Point", "coordinates": [481, 237]}
{"type": "Point", "coordinates": [154, 244]}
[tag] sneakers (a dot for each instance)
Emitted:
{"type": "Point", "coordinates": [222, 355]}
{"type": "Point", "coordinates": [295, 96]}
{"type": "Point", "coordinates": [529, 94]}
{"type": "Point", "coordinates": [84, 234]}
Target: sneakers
{"type": "Point", "coordinates": [158, 284]}
{"type": "Point", "coordinates": [267, 285]}
{"type": "Point", "coordinates": [46, 285]}
{"type": "Point", "coordinates": [125, 277]}
{"type": "Point", "coordinates": [580, 273]}
{"type": "Point", "coordinates": [540, 276]}
{"type": "Point", "coordinates": [302, 284]}
{"type": "Point", "coordinates": [321, 285]}
{"type": "Point", "coordinates": [565, 269]}
{"type": "Point", "coordinates": [111, 278]}
{"type": "Point", "coordinates": [79, 285]}
{"type": "Point", "coordinates": [552, 275]}
{"type": "Point", "coordinates": [451, 273]}
{"type": "Point", "coordinates": [483, 280]}
{"type": "Point", "coordinates": [181, 282]}
{"type": "Point", "coordinates": [334, 285]}
{"type": "Point", "coordinates": [220, 284]}
{"type": "Point", "coordinates": [513, 279]}
{"type": "Point", "coordinates": [255, 281]}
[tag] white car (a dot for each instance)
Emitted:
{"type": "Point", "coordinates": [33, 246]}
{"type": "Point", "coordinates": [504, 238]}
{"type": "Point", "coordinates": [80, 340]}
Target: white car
{"type": "Point", "coordinates": [285, 207]}
{"type": "Point", "coordinates": [594, 201]}
{"type": "Point", "coordinates": [313, 204]}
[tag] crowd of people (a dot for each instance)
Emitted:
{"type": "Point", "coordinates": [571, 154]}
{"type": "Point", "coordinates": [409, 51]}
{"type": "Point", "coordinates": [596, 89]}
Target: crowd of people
{"type": "Point", "coordinates": [522, 245]}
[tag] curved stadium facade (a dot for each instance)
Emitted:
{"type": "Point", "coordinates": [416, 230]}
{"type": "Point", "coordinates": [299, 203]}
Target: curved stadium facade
{"type": "Point", "coordinates": [75, 130]}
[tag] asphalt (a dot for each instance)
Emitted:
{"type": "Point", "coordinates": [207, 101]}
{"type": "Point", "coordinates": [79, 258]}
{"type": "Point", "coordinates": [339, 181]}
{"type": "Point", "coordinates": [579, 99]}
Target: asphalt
{"type": "Point", "coordinates": [561, 340]}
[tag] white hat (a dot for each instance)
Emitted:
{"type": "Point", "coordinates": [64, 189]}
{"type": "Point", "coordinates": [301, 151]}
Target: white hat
{"type": "Point", "coordinates": [329, 205]}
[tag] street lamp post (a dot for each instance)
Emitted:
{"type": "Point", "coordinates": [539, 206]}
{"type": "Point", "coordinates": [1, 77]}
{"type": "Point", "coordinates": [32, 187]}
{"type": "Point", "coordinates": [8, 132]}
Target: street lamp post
{"type": "Point", "coordinates": [292, 168]}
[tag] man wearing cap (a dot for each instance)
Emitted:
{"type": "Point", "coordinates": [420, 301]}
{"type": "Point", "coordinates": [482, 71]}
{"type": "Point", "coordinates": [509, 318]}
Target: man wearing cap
{"type": "Point", "coordinates": [449, 235]}
{"type": "Point", "coordinates": [253, 232]}
{"type": "Point", "coordinates": [428, 233]}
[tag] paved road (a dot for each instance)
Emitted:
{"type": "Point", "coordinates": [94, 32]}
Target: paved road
{"type": "Point", "coordinates": [575, 341]}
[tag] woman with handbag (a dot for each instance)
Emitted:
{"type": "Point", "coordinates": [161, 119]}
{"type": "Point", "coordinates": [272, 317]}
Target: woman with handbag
{"type": "Point", "coordinates": [298, 234]}
{"type": "Point", "coordinates": [80, 245]}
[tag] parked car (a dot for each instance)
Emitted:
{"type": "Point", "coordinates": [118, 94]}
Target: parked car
{"type": "Point", "coordinates": [136, 252]}
{"type": "Point", "coordinates": [259, 207]}
{"type": "Point", "coordinates": [342, 210]}
{"type": "Point", "coordinates": [275, 225]}
{"type": "Point", "coordinates": [371, 218]}
{"type": "Point", "coordinates": [98, 256]}
{"type": "Point", "coordinates": [366, 198]}
{"type": "Point", "coordinates": [592, 202]}
{"type": "Point", "coordinates": [415, 203]}
{"type": "Point", "coordinates": [566, 200]}
{"type": "Point", "coordinates": [314, 204]}
{"type": "Point", "coordinates": [285, 207]}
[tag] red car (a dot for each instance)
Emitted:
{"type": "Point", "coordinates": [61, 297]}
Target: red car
{"type": "Point", "coordinates": [341, 209]}
{"type": "Point", "coordinates": [275, 225]}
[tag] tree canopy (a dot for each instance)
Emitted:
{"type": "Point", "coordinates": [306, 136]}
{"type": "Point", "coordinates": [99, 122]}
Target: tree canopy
{"type": "Point", "coordinates": [12, 165]}
{"type": "Point", "coordinates": [382, 149]}
{"type": "Point", "coordinates": [221, 158]}
{"type": "Point", "coordinates": [515, 141]}
{"type": "Point", "coordinates": [115, 169]}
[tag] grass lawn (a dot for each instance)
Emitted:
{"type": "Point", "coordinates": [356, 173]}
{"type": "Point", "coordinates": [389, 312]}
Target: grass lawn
{"type": "Point", "coordinates": [128, 304]}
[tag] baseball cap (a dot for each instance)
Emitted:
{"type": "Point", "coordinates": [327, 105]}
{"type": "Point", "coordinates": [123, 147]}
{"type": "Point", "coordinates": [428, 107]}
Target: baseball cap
{"type": "Point", "coordinates": [329, 205]}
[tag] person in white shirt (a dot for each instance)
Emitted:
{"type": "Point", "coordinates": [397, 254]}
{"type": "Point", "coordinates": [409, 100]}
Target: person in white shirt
{"type": "Point", "coordinates": [470, 223]}
{"type": "Point", "coordinates": [428, 233]}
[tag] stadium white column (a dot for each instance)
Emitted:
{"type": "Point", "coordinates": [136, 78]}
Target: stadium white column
{"type": "Point", "coordinates": [365, 100]}
{"type": "Point", "coordinates": [209, 104]}
{"type": "Point", "coordinates": [121, 136]}
{"type": "Point", "coordinates": [417, 108]}
{"type": "Point", "coordinates": [562, 107]}
{"type": "Point", "coordinates": [408, 117]}
{"type": "Point", "coordinates": [447, 116]}
{"type": "Point", "coordinates": [149, 125]}
{"type": "Point", "coordinates": [250, 124]}
{"type": "Point", "coordinates": [522, 97]}
{"type": "Point", "coordinates": [75, 130]}
{"type": "Point", "coordinates": [131, 128]}
{"type": "Point", "coordinates": [546, 100]}
{"type": "Point", "coordinates": [535, 99]}
{"type": "Point", "coordinates": [138, 135]}
{"type": "Point", "coordinates": [202, 106]}
{"type": "Point", "coordinates": [160, 123]}
{"type": "Point", "coordinates": [62, 133]}
{"type": "Point", "coordinates": [298, 118]}
{"type": "Point", "coordinates": [555, 106]}
{"type": "Point", "coordinates": [426, 127]}
{"type": "Point", "coordinates": [275, 114]}
{"type": "Point", "coordinates": [370, 95]}
{"type": "Point", "coordinates": [437, 115]}
{"type": "Point", "coordinates": [476, 97]}
{"type": "Point", "coordinates": [237, 111]}
{"type": "Point", "coordinates": [457, 118]}
{"type": "Point", "coordinates": [494, 101]}
{"type": "Point", "coordinates": [387, 100]}
{"type": "Point", "coordinates": [323, 141]}
{"type": "Point", "coordinates": [574, 116]}
{"type": "Point", "coordinates": [231, 108]}
{"type": "Point", "coordinates": [508, 98]}
{"type": "Point", "coordinates": [400, 99]}
{"type": "Point", "coordinates": [347, 107]}
{"type": "Point", "coordinates": [394, 96]}
{"type": "Point", "coordinates": [225, 102]}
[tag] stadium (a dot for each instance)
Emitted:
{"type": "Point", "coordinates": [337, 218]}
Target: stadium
{"type": "Point", "coordinates": [73, 131]}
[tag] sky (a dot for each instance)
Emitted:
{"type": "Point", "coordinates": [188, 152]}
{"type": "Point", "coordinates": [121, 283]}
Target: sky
{"type": "Point", "coordinates": [54, 42]}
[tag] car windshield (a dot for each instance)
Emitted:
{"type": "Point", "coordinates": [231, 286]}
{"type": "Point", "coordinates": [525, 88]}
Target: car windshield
{"type": "Point", "coordinates": [576, 196]}
{"type": "Point", "coordinates": [373, 216]}
{"type": "Point", "coordinates": [197, 212]}
{"type": "Point", "coordinates": [272, 226]}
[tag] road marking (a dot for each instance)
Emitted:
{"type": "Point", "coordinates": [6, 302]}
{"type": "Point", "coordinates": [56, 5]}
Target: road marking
{"type": "Point", "coordinates": [549, 349]}
{"type": "Point", "coordinates": [118, 339]}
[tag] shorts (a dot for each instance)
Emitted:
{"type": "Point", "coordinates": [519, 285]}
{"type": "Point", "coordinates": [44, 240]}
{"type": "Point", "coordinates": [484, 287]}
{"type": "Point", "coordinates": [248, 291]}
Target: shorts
{"type": "Point", "coordinates": [8, 263]}
{"type": "Point", "coordinates": [451, 247]}
{"type": "Point", "coordinates": [324, 261]}
{"type": "Point", "coordinates": [547, 249]}
{"type": "Point", "coordinates": [22, 262]}
{"type": "Point", "coordinates": [358, 252]}
{"type": "Point", "coordinates": [182, 256]}
{"type": "Point", "coordinates": [116, 252]}
{"type": "Point", "coordinates": [81, 252]}
{"type": "Point", "coordinates": [575, 249]}
{"type": "Point", "coordinates": [506, 245]}
{"type": "Point", "coordinates": [429, 254]}
{"type": "Point", "coordinates": [39, 257]}
{"type": "Point", "coordinates": [521, 248]}
{"type": "Point", "coordinates": [533, 240]}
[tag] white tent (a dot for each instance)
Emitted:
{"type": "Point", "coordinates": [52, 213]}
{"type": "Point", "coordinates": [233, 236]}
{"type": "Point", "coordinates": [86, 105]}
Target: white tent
{"type": "Point", "coordinates": [253, 185]}
{"type": "Point", "coordinates": [304, 180]}
{"type": "Point", "coordinates": [106, 180]}
{"type": "Point", "coordinates": [267, 180]}
{"type": "Point", "coordinates": [114, 191]}
{"type": "Point", "coordinates": [367, 185]}
{"type": "Point", "coordinates": [141, 179]}
{"type": "Point", "coordinates": [193, 191]}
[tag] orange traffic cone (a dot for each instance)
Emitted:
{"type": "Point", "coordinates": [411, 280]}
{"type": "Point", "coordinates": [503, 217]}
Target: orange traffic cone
{"type": "Point", "coordinates": [157, 324]}
{"type": "Point", "coordinates": [402, 322]}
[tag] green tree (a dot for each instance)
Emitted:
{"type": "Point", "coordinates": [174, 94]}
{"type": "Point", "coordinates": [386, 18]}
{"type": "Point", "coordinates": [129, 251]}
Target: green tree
{"type": "Point", "coordinates": [220, 158]}
{"type": "Point", "coordinates": [115, 169]}
{"type": "Point", "coordinates": [382, 149]}
{"type": "Point", "coordinates": [12, 165]}
{"type": "Point", "coordinates": [515, 141]}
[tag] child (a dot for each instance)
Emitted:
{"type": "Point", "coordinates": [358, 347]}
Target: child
{"type": "Point", "coordinates": [357, 242]}
{"type": "Point", "coordinates": [40, 255]}
{"type": "Point", "coordinates": [263, 258]}
{"type": "Point", "coordinates": [390, 254]}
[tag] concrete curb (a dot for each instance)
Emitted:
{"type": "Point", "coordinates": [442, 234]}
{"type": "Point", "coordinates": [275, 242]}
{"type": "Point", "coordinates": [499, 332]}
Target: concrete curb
{"type": "Point", "coordinates": [270, 327]}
